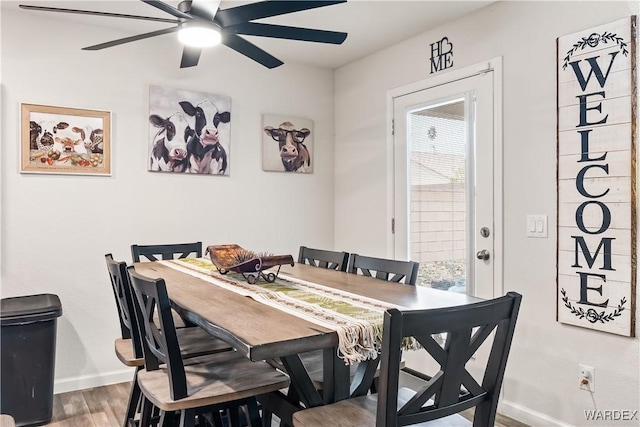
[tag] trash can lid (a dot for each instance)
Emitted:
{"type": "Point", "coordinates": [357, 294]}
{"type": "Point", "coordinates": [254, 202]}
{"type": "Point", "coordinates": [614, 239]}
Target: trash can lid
{"type": "Point", "coordinates": [29, 308]}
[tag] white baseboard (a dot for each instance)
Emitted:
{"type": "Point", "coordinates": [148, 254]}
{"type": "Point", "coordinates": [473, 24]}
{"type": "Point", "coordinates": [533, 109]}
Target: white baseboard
{"type": "Point", "coordinates": [529, 416]}
{"type": "Point", "coordinates": [89, 381]}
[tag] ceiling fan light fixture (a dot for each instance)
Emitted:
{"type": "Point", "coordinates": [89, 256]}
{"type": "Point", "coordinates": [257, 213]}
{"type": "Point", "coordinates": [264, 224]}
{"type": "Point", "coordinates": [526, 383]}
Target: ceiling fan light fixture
{"type": "Point", "coordinates": [199, 36]}
{"type": "Point", "coordinates": [201, 23]}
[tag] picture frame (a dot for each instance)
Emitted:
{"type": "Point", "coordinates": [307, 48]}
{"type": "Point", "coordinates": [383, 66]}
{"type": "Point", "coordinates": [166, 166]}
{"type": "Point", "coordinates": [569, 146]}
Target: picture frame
{"type": "Point", "coordinates": [63, 140]}
{"type": "Point", "coordinates": [287, 143]}
{"type": "Point", "coordinates": [189, 132]}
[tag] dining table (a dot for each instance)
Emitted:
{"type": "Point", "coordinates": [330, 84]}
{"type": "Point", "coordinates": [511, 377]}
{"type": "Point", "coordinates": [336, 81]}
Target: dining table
{"type": "Point", "coordinates": [264, 332]}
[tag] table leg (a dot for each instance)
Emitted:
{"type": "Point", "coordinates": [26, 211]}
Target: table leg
{"type": "Point", "coordinates": [300, 381]}
{"type": "Point", "coordinates": [335, 377]}
{"type": "Point", "coordinates": [362, 380]}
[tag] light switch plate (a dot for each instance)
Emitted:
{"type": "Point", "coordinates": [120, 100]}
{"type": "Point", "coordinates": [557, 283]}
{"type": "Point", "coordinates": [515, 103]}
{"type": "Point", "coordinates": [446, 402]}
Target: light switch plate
{"type": "Point", "coordinates": [537, 226]}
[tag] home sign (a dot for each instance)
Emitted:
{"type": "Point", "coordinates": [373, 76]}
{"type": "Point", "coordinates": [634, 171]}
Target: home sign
{"type": "Point", "coordinates": [597, 224]}
{"type": "Point", "coordinates": [441, 55]}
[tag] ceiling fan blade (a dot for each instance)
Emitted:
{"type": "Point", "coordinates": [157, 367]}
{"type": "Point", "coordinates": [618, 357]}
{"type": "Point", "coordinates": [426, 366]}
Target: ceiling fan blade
{"type": "Point", "coordinates": [205, 8]}
{"type": "Point", "coordinates": [168, 8]}
{"type": "Point", "coordinates": [190, 56]}
{"type": "Point", "coordinates": [90, 12]}
{"type": "Point", "coordinates": [265, 9]}
{"type": "Point", "coordinates": [250, 50]}
{"type": "Point", "coordinates": [290, 33]}
{"type": "Point", "coordinates": [132, 38]}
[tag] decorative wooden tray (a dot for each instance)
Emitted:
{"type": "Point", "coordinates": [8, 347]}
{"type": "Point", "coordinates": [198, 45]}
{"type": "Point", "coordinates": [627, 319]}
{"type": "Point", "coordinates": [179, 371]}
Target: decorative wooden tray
{"type": "Point", "coordinates": [250, 264]}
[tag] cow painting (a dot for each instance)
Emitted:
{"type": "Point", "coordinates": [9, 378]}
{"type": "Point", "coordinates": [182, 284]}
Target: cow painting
{"type": "Point", "coordinates": [65, 140]}
{"type": "Point", "coordinates": [291, 149]}
{"type": "Point", "coordinates": [169, 153]}
{"type": "Point", "coordinates": [34, 135]}
{"type": "Point", "coordinates": [206, 151]}
{"type": "Point", "coordinates": [43, 133]}
{"type": "Point", "coordinates": [68, 144]}
{"type": "Point", "coordinates": [92, 139]}
{"type": "Point", "coordinates": [197, 145]}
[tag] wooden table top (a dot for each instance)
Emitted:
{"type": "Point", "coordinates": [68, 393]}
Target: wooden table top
{"type": "Point", "coordinates": [263, 332]}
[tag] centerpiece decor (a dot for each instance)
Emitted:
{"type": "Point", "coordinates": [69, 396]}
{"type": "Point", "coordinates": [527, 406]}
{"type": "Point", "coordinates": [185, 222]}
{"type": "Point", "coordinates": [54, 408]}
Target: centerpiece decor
{"type": "Point", "coordinates": [251, 265]}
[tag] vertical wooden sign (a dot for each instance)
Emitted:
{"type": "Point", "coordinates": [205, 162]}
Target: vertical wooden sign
{"type": "Point", "coordinates": [597, 178]}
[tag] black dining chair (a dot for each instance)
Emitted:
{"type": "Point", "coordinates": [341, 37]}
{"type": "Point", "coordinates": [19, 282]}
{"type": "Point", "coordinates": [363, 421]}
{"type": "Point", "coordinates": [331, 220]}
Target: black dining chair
{"type": "Point", "coordinates": [391, 270]}
{"type": "Point", "coordinates": [128, 347]}
{"type": "Point", "coordinates": [184, 390]}
{"type": "Point", "coordinates": [450, 390]}
{"type": "Point", "coordinates": [332, 260]}
{"type": "Point", "coordinates": [166, 251]}
{"type": "Point", "coordinates": [386, 269]}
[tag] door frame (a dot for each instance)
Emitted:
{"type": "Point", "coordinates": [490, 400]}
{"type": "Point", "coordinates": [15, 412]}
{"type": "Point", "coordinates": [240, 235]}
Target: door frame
{"type": "Point", "coordinates": [494, 65]}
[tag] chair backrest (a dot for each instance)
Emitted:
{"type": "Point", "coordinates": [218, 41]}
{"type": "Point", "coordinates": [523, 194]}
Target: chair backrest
{"type": "Point", "coordinates": [386, 269]}
{"type": "Point", "coordinates": [159, 339]}
{"type": "Point", "coordinates": [322, 258]}
{"type": "Point", "coordinates": [452, 389]}
{"type": "Point", "coordinates": [169, 251]}
{"type": "Point", "coordinates": [124, 302]}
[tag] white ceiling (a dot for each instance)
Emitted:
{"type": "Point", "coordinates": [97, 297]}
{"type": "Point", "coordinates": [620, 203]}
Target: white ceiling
{"type": "Point", "coordinates": [371, 25]}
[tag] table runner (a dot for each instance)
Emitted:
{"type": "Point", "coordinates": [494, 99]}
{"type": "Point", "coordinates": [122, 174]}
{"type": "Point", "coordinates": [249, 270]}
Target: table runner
{"type": "Point", "coordinates": [356, 319]}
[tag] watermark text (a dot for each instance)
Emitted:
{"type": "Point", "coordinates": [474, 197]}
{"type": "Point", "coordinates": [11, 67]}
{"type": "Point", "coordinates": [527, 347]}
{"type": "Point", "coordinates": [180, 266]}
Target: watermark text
{"type": "Point", "coordinates": [610, 415]}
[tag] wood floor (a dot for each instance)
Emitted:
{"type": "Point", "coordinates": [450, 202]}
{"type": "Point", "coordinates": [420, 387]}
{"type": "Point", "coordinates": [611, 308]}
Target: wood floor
{"type": "Point", "coordinates": [105, 407]}
{"type": "Point", "coordinates": [93, 407]}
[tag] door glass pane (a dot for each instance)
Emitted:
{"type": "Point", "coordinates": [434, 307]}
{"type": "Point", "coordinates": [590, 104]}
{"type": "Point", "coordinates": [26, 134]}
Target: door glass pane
{"type": "Point", "coordinates": [438, 206]}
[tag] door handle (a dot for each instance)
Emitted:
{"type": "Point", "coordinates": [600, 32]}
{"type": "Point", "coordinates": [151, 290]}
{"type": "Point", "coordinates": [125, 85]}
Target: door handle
{"type": "Point", "coordinates": [483, 255]}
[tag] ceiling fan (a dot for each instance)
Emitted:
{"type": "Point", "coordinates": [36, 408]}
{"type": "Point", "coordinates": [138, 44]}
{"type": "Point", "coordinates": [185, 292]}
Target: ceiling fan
{"type": "Point", "coordinates": [201, 23]}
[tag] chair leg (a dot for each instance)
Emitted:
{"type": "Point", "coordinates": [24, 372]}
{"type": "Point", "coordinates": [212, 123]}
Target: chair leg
{"type": "Point", "coordinates": [217, 419]}
{"type": "Point", "coordinates": [267, 417]}
{"type": "Point", "coordinates": [167, 419]}
{"type": "Point", "coordinates": [253, 414]}
{"type": "Point", "coordinates": [374, 386]}
{"type": "Point", "coordinates": [146, 413]}
{"type": "Point", "coordinates": [134, 399]}
{"type": "Point", "coordinates": [188, 418]}
{"type": "Point", "coordinates": [234, 416]}
{"type": "Point", "coordinates": [210, 419]}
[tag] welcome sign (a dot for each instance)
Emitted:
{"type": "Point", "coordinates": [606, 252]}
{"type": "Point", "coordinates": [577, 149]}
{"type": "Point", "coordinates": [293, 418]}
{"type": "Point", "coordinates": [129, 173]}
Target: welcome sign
{"type": "Point", "coordinates": [597, 178]}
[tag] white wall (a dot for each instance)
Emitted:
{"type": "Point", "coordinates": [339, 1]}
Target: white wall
{"type": "Point", "coordinates": [56, 229]}
{"type": "Point", "coordinates": [541, 385]}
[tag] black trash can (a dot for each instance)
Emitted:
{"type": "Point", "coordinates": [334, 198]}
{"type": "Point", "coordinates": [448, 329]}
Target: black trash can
{"type": "Point", "coordinates": [28, 350]}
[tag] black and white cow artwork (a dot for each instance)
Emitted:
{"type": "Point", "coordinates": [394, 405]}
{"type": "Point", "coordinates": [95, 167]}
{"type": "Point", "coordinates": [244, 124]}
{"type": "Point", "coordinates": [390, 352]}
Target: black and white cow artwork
{"type": "Point", "coordinates": [43, 134]}
{"type": "Point", "coordinates": [206, 153]}
{"type": "Point", "coordinates": [169, 151]}
{"type": "Point", "coordinates": [34, 135]}
{"type": "Point", "coordinates": [92, 139]}
{"type": "Point", "coordinates": [293, 153]}
{"type": "Point", "coordinates": [206, 135]}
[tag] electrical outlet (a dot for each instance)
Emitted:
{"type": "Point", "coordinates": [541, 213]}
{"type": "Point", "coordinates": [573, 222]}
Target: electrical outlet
{"type": "Point", "coordinates": [587, 378]}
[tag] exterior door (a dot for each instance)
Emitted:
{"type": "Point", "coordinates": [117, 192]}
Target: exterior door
{"type": "Point", "coordinates": [443, 141]}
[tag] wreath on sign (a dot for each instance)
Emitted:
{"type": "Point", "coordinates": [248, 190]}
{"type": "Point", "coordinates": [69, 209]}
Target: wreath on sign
{"type": "Point", "coordinates": [591, 315]}
{"type": "Point", "coordinates": [592, 41]}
